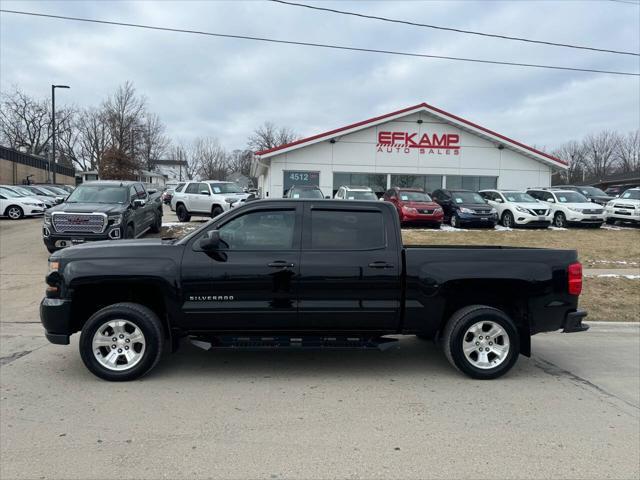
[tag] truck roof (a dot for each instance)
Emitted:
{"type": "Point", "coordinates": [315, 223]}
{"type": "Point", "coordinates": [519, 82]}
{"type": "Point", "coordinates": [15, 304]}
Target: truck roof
{"type": "Point", "coordinates": [121, 183]}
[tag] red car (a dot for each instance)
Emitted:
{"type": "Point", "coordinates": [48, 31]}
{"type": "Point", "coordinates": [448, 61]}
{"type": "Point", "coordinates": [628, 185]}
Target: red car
{"type": "Point", "coordinates": [414, 206]}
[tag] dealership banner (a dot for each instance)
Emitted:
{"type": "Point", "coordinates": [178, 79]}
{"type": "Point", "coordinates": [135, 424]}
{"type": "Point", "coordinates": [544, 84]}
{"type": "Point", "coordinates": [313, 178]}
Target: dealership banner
{"type": "Point", "coordinates": [425, 144]}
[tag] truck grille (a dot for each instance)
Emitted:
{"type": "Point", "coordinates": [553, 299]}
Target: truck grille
{"type": "Point", "coordinates": [623, 205]}
{"type": "Point", "coordinates": [79, 222]}
{"type": "Point", "coordinates": [593, 211]}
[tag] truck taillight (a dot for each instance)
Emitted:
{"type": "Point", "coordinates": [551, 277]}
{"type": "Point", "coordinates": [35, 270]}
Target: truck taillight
{"type": "Point", "coordinates": [575, 278]}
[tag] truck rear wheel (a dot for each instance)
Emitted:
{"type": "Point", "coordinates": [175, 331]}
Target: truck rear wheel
{"type": "Point", "coordinates": [121, 342]}
{"type": "Point", "coordinates": [182, 213]}
{"type": "Point", "coordinates": [482, 342]}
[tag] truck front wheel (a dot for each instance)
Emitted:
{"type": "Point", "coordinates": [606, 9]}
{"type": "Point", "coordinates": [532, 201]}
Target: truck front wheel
{"type": "Point", "coordinates": [121, 342]}
{"type": "Point", "coordinates": [481, 341]}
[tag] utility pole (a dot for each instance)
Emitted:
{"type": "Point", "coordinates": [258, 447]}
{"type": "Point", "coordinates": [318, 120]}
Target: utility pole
{"type": "Point", "coordinates": [53, 128]}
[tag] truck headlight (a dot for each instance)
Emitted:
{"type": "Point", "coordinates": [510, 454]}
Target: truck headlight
{"type": "Point", "coordinates": [231, 201]}
{"type": "Point", "coordinates": [579, 210]}
{"type": "Point", "coordinates": [409, 210]}
{"type": "Point", "coordinates": [115, 220]}
{"type": "Point", "coordinates": [47, 218]}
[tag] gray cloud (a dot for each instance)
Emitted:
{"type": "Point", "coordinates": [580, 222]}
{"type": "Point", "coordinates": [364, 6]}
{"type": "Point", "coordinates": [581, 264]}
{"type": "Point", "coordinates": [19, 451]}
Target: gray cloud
{"type": "Point", "coordinates": [221, 87]}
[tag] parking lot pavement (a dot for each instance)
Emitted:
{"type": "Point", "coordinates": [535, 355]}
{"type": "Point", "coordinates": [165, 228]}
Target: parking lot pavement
{"type": "Point", "coordinates": [570, 411]}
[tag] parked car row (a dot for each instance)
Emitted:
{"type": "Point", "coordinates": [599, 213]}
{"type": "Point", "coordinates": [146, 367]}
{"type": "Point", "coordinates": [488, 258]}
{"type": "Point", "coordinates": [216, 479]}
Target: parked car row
{"type": "Point", "coordinates": [18, 201]}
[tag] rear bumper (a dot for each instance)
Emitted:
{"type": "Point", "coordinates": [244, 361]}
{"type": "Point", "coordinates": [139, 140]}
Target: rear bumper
{"type": "Point", "coordinates": [55, 316]}
{"type": "Point", "coordinates": [573, 322]}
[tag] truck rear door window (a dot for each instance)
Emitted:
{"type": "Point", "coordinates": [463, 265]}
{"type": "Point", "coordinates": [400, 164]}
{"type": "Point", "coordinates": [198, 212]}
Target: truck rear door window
{"type": "Point", "coordinates": [346, 230]}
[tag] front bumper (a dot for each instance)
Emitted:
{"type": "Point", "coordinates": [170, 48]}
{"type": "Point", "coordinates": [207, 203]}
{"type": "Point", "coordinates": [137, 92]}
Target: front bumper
{"type": "Point", "coordinates": [422, 217]}
{"type": "Point", "coordinates": [478, 220]}
{"type": "Point", "coordinates": [623, 214]}
{"type": "Point", "coordinates": [58, 240]}
{"type": "Point", "coordinates": [55, 316]}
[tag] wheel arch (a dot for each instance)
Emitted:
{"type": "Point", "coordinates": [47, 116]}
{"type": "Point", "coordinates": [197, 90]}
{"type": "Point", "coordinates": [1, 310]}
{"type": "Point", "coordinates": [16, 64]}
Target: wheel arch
{"type": "Point", "coordinates": [6, 210]}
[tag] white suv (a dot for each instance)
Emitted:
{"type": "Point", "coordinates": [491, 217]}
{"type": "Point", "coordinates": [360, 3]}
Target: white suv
{"type": "Point", "coordinates": [207, 198]}
{"type": "Point", "coordinates": [625, 208]}
{"type": "Point", "coordinates": [569, 207]}
{"type": "Point", "coordinates": [355, 193]}
{"type": "Point", "coordinates": [518, 208]}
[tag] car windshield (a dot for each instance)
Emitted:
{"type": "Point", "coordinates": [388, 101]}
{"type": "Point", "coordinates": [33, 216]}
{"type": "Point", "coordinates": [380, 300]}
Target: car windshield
{"type": "Point", "coordinates": [41, 191]}
{"type": "Point", "coordinates": [519, 197]}
{"type": "Point", "coordinates": [9, 193]}
{"type": "Point", "coordinates": [22, 191]}
{"type": "Point", "coordinates": [631, 194]}
{"type": "Point", "coordinates": [98, 194]}
{"type": "Point", "coordinates": [571, 197]}
{"type": "Point", "coordinates": [306, 193]}
{"type": "Point", "coordinates": [225, 188]}
{"type": "Point", "coordinates": [56, 190]}
{"type": "Point", "coordinates": [414, 197]}
{"type": "Point", "coordinates": [467, 197]}
{"type": "Point", "coordinates": [351, 195]}
{"type": "Point", "coordinates": [592, 191]}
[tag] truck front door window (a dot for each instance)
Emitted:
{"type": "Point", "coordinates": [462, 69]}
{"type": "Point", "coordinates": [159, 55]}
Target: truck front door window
{"type": "Point", "coordinates": [261, 230]}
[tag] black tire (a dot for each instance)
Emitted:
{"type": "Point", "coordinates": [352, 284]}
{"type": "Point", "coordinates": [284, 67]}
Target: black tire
{"type": "Point", "coordinates": [559, 220]}
{"type": "Point", "coordinates": [453, 340]}
{"type": "Point", "coordinates": [455, 221]}
{"type": "Point", "coordinates": [610, 221]}
{"type": "Point", "coordinates": [139, 315]}
{"type": "Point", "coordinates": [130, 232]}
{"type": "Point", "coordinates": [156, 226]}
{"type": "Point", "coordinates": [507, 219]}
{"type": "Point", "coordinates": [14, 212]}
{"type": "Point", "coordinates": [182, 213]}
{"type": "Point", "coordinates": [216, 210]}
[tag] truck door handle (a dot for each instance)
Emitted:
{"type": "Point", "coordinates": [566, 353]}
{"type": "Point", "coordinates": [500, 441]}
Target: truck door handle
{"type": "Point", "coordinates": [380, 264]}
{"type": "Point", "coordinates": [280, 264]}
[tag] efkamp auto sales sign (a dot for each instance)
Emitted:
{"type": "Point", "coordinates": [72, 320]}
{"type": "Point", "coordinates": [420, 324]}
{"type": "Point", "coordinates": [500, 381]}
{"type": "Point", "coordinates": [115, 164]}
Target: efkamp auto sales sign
{"type": "Point", "coordinates": [426, 144]}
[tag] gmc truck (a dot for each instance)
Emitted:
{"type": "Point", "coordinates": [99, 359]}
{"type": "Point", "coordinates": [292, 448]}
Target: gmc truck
{"type": "Point", "coordinates": [274, 274]}
{"type": "Point", "coordinates": [102, 210]}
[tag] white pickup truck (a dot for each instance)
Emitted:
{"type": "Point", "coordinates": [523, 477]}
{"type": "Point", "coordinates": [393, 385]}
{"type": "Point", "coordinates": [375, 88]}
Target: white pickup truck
{"type": "Point", "coordinates": [206, 198]}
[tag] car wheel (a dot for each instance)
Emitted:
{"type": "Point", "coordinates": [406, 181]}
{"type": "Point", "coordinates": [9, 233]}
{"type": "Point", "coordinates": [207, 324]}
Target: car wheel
{"type": "Point", "coordinates": [507, 219]}
{"type": "Point", "coordinates": [14, 212]}
{"type": "Point", "coordinates": [481, 341]}
{"type": "Point", "coordinates": [215, 211]}
{"type": "Point", "coordinates": [559, 220]}
{"type": "Point", "coordinates": [455, 221]}
{"type": "Point", "coordinates": [182, 213]}
{"type": "Point", "coordinates": [610, 221]}
{"type": "Point", "coordinates": [121, 342]}
{"type": "Point", "coordinates": [157, 223]}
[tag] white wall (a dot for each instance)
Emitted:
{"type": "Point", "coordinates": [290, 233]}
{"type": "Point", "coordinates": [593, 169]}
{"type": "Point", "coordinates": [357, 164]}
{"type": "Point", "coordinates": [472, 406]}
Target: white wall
{"type": "Point", "coordinates": [358, 152]}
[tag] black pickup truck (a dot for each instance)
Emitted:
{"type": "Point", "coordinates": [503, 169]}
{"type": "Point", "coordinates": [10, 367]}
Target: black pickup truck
{"type": "Point", "coordinates": [306, 274]}
{"type": "Point", "coordinates": [102, 210]}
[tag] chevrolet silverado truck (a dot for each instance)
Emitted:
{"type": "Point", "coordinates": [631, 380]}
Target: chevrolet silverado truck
{"type": "Point", "coordinates": [102, 210]}
{"type": "Point", "coordinates": [284, 273]}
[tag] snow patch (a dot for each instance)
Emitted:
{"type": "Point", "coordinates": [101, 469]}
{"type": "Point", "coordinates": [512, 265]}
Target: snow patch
{"type": "Point", "coordinates": [615, 275]}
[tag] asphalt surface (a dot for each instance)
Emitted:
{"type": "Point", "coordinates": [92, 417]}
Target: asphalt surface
{"type": "Point", "coordinates": [570, 411]}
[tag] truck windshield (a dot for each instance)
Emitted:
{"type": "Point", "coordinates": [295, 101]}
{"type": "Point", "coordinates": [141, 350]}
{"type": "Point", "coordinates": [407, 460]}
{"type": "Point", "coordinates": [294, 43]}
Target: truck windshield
{"type": "Point", "coordinates": [571, 197]}
{"type": "Point", "coordinates": [467, 197]}
{"type": "Point", "coordinates": [593, 191]}
{"type": "Point", "coordinates": [360, 195]}
{"type": "Point", "coordinates": [519, 197]}
{"type": "Point", "coordinates": [414, 197]}
{"type": "Point", "coordinates": [306, 193]}
{"type": "Point", "coordinates": [225, 188]}
{"type": "Point", "coordinates": [631, 194]}
{"type": "Point", "coordinates": [98, 194]}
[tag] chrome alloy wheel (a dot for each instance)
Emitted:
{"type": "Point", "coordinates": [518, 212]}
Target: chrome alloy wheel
{"type": "Point", "coordinates": [118, 345]}
{"type": "Point", "coordinates": [14, 213]}
{"type": "Point", "coordinates": [486, 344]}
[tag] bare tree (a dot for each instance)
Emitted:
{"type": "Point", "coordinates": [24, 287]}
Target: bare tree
{"type": "Point", "coordinates": [240, 161]}
{"type": "Point", "coordinates": [117, 165]}
{"type": "Point", "coordinates": [628, 152]}
{"type": "Point", "coordinates": [154, 142]}
{"type": "Point", "coordinates": [268, 136]}
{"type": "Point", "coordinates": [124, 115]}
{"type": "Point", "coordinates": [25, 122]}
{"type": "Point", "coordinates": [600, 152]}
{"type": "Point", "coordinates": [93, 137]}
{"type": "Point", "coordinates": [211, 159]}
{"type": "Point", "coordinates": [574, 154]}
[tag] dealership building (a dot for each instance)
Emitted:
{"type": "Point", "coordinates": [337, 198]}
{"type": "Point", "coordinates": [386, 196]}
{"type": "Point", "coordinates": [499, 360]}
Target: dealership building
{"type": "Point", "coordinates": [419, 147]}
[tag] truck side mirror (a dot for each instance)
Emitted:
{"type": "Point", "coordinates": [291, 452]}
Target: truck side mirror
{"type": "Point", "coordinates": [204, 192]}
{"type": "Point", "coordinates": [151, 191]}
{"type": "Point", "coordinates": [499, 200]}
{"type": "Point", "coordinates": [550, 200]}
{"type": "Point", "coordinates": [210, 242]}
{"type": "Point", "coordinates": [138, 202]}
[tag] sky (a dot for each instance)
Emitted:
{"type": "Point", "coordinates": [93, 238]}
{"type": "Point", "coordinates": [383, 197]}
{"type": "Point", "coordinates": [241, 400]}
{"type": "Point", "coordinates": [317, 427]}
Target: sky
{"type": "Point", "coordinates": [205, 86]}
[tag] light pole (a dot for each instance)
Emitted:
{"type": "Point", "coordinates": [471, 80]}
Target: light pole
{"type": "Point", "coordinates": [53, 128]}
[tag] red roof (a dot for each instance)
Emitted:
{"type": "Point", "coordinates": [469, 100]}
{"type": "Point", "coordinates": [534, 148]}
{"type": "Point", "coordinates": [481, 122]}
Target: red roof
{"type": "Point", "coordinates": [406, 110]}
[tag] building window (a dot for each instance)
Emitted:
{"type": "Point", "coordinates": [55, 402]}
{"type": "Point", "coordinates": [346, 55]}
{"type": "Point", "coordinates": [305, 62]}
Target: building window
{"type": "Point", "coordinates": [291, 178]}
{"type": "Point", "coordinates": [376, 181]}
{"type": "Point", "coordinates": [428, 183]}
{"type": "Point", "coordinates": [471, 182]}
